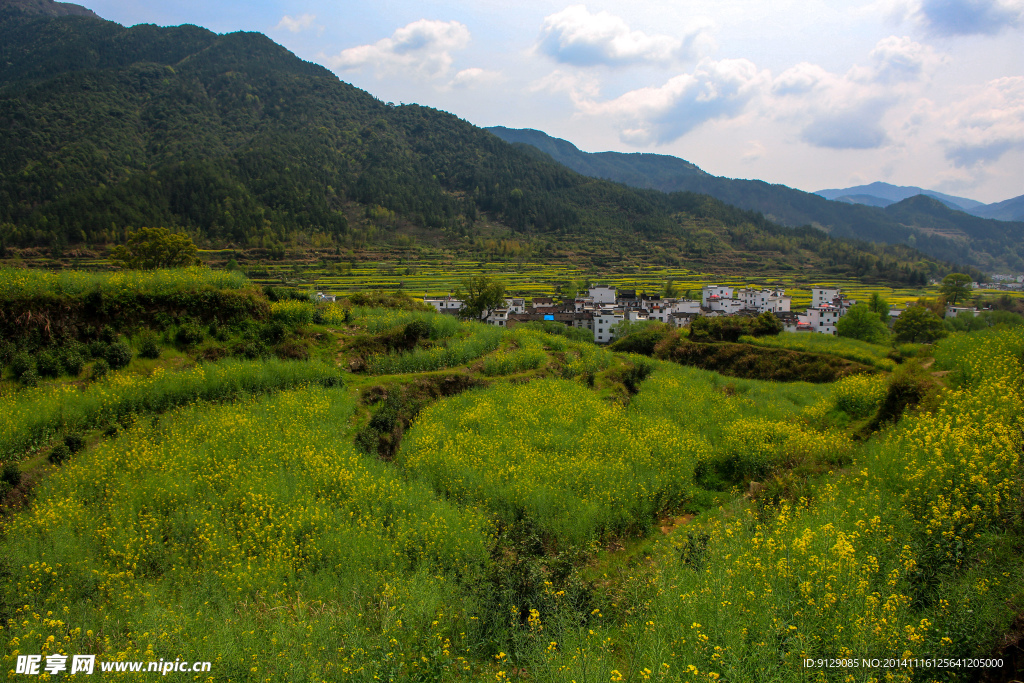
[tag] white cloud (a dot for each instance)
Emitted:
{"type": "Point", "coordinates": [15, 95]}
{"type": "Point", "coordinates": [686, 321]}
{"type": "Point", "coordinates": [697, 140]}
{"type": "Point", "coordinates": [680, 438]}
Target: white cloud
{"type": "Point", "coordinates": [967, 17]}
{"type": "Point", "coordinates": [715, 90]}
{"type": "Point", "coordinates": [575, 36]}
{"type": "Point", "coordinates": [981, 128]}
{"type": "Point", "coordinates": [296, 24]}
{"type": "Point", "coordinates": [579, 86]}
{"type": "Point", "coordinates": [475, 77]}
{"type": "Point", "coordinates": [847, 111]}
{"type": "Point", "coordinates": [755, 151]}
{"type": "Point", "coordinates": [423, 47]}
{"type": "Point", "coordinates": [900, 60]}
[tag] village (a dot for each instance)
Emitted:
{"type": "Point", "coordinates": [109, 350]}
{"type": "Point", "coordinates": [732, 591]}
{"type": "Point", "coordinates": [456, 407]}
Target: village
{"type": "Point", "coordinates": [605, 307]}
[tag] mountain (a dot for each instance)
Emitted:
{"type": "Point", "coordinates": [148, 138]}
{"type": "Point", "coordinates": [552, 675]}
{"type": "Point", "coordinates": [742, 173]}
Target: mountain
{"type": "Point", "coordinates": [932, 219]}
{"type": "Point", "coordinates": [48, 8]}
{"type": "Point", "coordinates": [850, 216]}
{"type": "Point", "coordinates": [1008, 210]}
{"type": "Point", "coordinates": [238, 142]}
{"type": "Point", "coordinates": [883, 194]}
{"type": "Point", "coordinates": [650, 171]}
{"type": "Point", "coordinates": [865, 199]}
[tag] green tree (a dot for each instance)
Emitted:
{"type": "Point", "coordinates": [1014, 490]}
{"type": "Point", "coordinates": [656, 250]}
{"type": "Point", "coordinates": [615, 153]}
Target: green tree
{"type": "Point", "coordinates": [918, 324]}
{"type": "Point", "coordinates": [766, 325]}
{"type": "Point", "coordinates": [479, 294]}
{"type": "Point", "coordinates": [879, 305]}
{"type": "Point", "coordinates": [569, 290]}
{"type": "Point", "coordinates": [955, 287]}
{"type": "Point", "coordinates": [862, 322]}
{"type": "Point", "coordinates": [150, 248]}
{"type": "Point", "coordinates": [671, 289]}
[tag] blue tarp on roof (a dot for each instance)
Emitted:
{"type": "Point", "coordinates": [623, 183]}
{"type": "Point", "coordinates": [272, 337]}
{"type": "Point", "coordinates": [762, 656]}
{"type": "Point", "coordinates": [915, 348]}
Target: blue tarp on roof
{"type": "Point", "coordinates": [549, 317]}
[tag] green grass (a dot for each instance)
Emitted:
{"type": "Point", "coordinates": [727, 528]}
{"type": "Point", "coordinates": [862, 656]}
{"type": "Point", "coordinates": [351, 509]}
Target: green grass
{"type": "Point", "coordinates": [32, 417]}
{"type": "Point", "coordinates": [843, 347]}
{"type": "Point", "coordinates": [26, 283]}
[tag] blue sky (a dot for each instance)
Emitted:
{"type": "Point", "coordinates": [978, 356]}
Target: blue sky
{"type": "Point", "coordinates": [812, 94]}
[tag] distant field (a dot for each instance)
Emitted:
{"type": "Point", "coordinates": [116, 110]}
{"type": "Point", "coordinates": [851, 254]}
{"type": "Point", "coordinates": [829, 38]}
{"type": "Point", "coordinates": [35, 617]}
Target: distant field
{"type": "Point", "coordinates": [530, 279]}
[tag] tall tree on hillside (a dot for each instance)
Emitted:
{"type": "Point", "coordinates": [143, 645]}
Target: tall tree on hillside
{"type": "Point", "coordinates": [149, 248]}
{"type": "Point", "coordinates": [879, 305]}
{"type": "Point", "coordinates": [955, 287]}
{"type": "Point", "coordinates": [918, 324]}
{"type": "Point", "coordinates": [861, 322]}
{"type": "Point", "coordinates": [480, 294]}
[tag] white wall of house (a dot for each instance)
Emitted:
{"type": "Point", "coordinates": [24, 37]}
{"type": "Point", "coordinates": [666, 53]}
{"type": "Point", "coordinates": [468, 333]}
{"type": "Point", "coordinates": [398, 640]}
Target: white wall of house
{"type": "Point", "coordinates": [498, 317]}
{"type": "Point", "coordinates": [604, 321]}
{"type": "Point", "coordinates": [516, 305]}
{"type": "Point", "coordinates": [602, 294]}
{"type": "Point", "coordinates": [824, 295]}
{"type": "Point", "coordinates": [715, 292]}
{"type": "Point", "coordinates": [445, 304]}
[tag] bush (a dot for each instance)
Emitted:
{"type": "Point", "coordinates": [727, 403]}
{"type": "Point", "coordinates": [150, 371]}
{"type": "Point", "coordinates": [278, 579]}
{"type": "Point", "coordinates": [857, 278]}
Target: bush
{"type": "Point", "coordinates": [48, 363]}
{"type": "Point", "coordinates": [72, 360]}
{"type": "Point", "coordinates": [7, 351]}
{"type": "Point", "coordinates": [10, 476]}
{"type": "Point", "coordinates": [98, 348]}
{"type": "Point", "coordinates": [60, 453]}
{"type": "Point", "coordinates": [642, 367]}
{"type": "Point", "coordinates": [22, 363]}
{"type": "Point", "coordinates": [148, 345]}
{"type": "Point", "coordinates": [74, 442]}
{"type": "Point", "coordinates": [99, 370]}
{"type": "Point", "coordinates": [118, 355]}
{"type": "Point", "coordinates": [189, 334]}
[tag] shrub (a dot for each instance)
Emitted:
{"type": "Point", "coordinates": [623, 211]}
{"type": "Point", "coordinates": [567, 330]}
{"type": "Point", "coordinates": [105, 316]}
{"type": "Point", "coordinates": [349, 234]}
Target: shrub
{"type": "Point", "coordinates": [642, 367]}
{"type": "Point", "coordinates": [98, 348]}
{"type": "Point", "coordinates": [188, 334]}
{"type": "Point", "coordinates": [22, 363]}
{"type": "Point", "coordinates": [48, 363]}
{"type": "Point", "coordinates": [72, 360]}
{"type": "Point", "coordinates": [10, 476]}
{"type": "Point", "coordinates": [60, 453]}
{"type": "Point", "coordinates": [148, 345]}
{"type": "Point", "coordinates": [99, 370]}
{"type": "Point", "coordinates": [7, 351]}
{"type": "Point", "coordinates": [118, 355]}
{"type": "Point", "coordinates": [75, 442]}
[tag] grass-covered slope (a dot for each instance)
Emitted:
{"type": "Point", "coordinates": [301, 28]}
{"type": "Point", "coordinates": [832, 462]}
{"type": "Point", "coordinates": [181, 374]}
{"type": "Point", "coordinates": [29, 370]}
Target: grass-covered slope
{"type": "Point", "coordinates": [543, 510]}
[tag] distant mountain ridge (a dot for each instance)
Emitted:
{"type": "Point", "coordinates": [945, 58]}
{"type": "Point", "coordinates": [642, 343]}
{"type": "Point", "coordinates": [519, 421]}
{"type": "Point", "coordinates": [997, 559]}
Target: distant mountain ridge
{"type": "Point", "coordinates": [48, 8]}
{"type": "Point", "coordinates": [999, 244]}
{"type": "Point", "coordinates": [884, 194]}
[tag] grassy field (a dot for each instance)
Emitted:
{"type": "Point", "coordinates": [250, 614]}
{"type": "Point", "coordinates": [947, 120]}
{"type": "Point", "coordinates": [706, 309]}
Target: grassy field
{"type": "Point", "coordinates": [546, 509]}
{"type": "Point", "coordinates": [529, 279]}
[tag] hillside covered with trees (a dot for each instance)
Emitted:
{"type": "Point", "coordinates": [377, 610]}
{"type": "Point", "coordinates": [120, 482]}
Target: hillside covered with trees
{"type": "Point", "coordinates": [236, 141]}
{"type": "Point", "coordinates": [922, 222]}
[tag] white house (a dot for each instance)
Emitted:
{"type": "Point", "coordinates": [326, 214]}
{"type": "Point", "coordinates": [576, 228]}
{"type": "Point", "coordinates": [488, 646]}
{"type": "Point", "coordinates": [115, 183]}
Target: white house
{"type": "Point", "coordinates": [824, 295]}
{"type": "Point", "coordinates": [824, 318]}
{"type": "Point", "coordinates": [604, 321]}
{"type": "Point", "coordinates": [516, 305]}
{"type": "Point", "coordinates": [725, 306]}
{"type": "Point", "coordinates": [714, 292]}
{"type": "Point", "coordinates": [602, 294]}
{"type": "Point", "coordinates": [498, 317]}
{"type": "Point", "coordinates": [961, 311]}
{"type": "Point", "coordinates": [765, 300]}
{"type": "Point", "coordinates": [447, 304]}
{"type": "Point", "coordinates": [320, 296]}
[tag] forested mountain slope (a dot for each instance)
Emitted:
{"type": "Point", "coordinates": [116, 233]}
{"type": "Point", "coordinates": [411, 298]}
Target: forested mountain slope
{"type": "Point", "coordinates": [236, 140]}
{"type": "Point", "coordinates": [1000, 249]}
